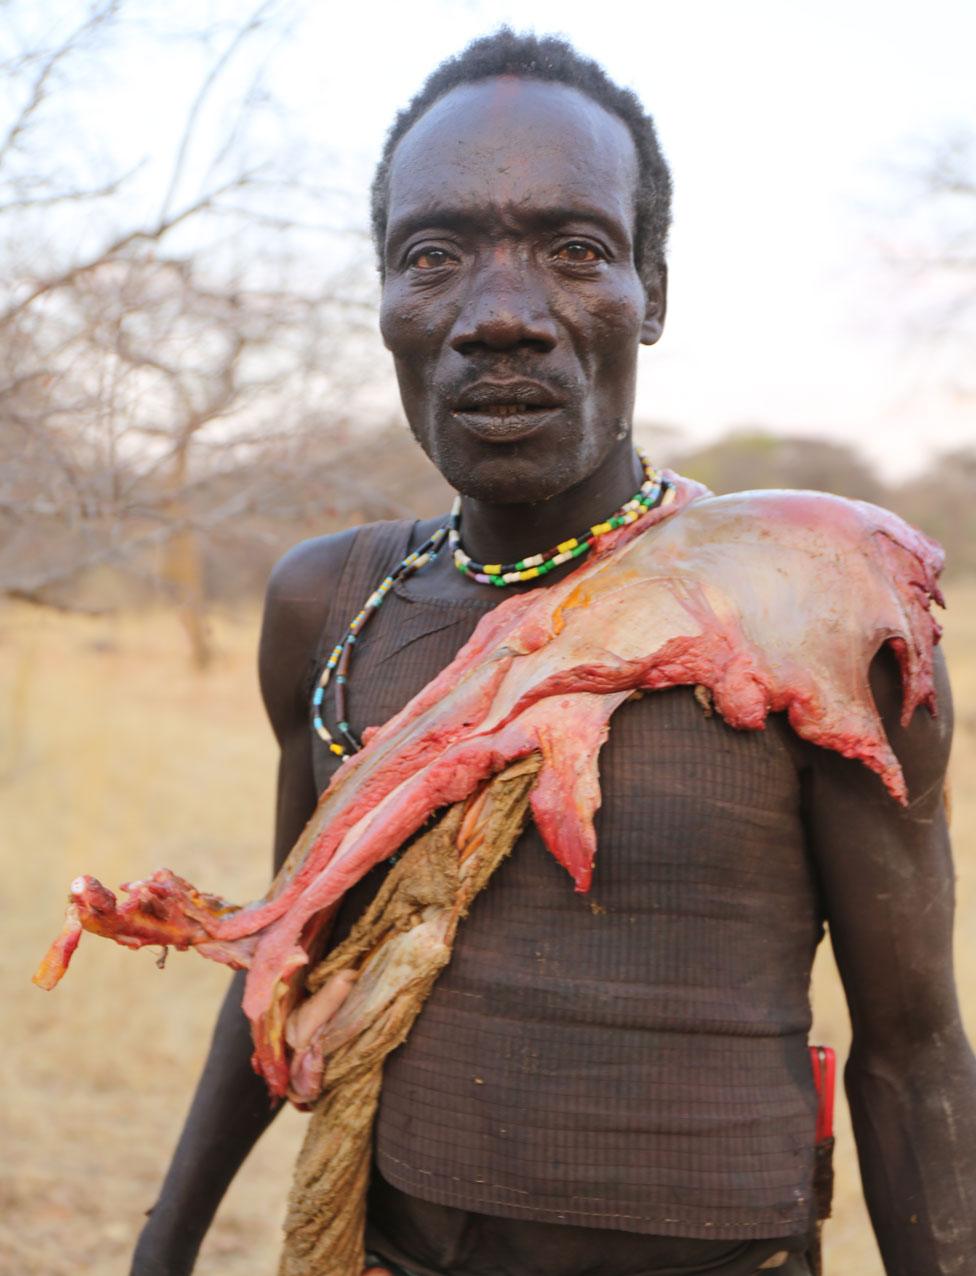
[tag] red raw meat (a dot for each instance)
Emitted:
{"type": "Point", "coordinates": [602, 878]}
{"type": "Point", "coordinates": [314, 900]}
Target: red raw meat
{"type": "Point", "coordinates": [774, 601]}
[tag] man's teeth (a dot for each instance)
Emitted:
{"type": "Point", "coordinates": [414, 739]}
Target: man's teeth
{"type": "Point", "coordinates": [509, 409]}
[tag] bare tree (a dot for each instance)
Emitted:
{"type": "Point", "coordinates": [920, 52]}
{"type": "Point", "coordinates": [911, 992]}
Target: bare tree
{"type": "Point", "coordinates": [933, 252]}
{"type": "Point", "coordinates": [138, 365]}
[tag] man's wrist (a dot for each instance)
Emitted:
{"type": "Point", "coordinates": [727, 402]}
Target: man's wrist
{"type": "Point", "coordinates": [166, 1246]}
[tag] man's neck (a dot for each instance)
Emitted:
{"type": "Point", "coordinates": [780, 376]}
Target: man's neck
{"type": "Point", "coordinates": [508, 533]}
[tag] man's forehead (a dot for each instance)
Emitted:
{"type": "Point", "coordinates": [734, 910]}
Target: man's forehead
{"type": "Point", "coordinates": [511, 140]}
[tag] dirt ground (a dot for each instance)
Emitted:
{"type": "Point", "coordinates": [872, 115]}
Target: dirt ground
{"type": "Point", "coordinates": [116, 758]}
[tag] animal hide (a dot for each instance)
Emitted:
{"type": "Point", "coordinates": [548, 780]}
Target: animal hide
{"type": "Point", "coordinates": [770, 601]}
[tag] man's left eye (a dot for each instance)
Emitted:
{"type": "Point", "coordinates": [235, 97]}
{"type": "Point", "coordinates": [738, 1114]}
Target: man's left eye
{"type": "Point", "coordinates": [579, 253]}
{"type": "Point", "coordinates": [429, 258]}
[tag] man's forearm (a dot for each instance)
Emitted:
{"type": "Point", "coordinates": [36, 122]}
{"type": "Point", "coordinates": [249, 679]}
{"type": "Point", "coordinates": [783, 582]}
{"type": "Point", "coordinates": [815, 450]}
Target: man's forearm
{"type": "Point", "coordinates": [230, 1111]}
{"type": "Point", "coordinates": [915, 1124]}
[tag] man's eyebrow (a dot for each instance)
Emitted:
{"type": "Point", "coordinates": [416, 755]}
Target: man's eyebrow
{"type": "Point", "coordinates": [546, 217]}
{"type": "Point", "coordinates": [428, 219]}
{"type": "Point", "coordinates": [551, 217]}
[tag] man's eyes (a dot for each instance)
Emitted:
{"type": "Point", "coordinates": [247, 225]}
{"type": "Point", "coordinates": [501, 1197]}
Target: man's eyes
{"type": "Point", "coordinates": [427, 257]}
{"type": "Point", "coordinates": [574, 252]}
{"type": "Point", "coordinates": [579, 252]}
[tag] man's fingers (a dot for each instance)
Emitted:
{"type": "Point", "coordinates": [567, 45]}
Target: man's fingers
{"type": "Point", "coordinates": [377, 1271]}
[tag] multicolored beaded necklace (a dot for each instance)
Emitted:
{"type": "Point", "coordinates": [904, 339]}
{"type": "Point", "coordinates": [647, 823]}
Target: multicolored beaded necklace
{"type": "Point", "coordinates": [539, 564]}
{"type": "Point", "coordinates": [499, 574]}
{"type": "Point", "coordinates": [341, 655]}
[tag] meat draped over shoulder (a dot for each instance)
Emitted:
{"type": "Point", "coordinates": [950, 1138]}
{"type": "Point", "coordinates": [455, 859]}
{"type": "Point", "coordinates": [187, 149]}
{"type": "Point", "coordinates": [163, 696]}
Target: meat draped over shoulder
{"type": "Point", "coordinates": [774, 601]}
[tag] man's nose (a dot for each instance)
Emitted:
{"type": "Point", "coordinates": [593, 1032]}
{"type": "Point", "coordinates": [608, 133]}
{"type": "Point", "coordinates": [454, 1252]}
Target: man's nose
{"type": "Point", "coordinates": [505, 307]}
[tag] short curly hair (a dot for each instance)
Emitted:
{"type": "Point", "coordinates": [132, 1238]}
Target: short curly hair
{"type": "Point", "coordinates": [550, 59]}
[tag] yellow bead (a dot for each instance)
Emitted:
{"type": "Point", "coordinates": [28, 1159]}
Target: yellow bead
{"type": "Point", "coordinates": [492, 569]}
{"type": "Point", "coordinates": [530, 574]}
{"type": "Point", "coordinates": [600, 528]}
{"type": "Point", "coordinates": [564, 546]}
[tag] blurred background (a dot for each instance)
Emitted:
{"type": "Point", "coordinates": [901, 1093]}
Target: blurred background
{"type": "Point", "coordinates": [191, 380]}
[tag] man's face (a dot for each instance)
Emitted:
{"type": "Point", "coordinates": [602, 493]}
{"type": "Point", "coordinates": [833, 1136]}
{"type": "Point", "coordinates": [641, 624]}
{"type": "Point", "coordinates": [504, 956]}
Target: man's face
{"type": "Point", "coordinates": [511, 302]}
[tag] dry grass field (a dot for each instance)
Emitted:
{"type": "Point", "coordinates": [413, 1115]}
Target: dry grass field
{"type": "Point", "coordinates": [116, 758]}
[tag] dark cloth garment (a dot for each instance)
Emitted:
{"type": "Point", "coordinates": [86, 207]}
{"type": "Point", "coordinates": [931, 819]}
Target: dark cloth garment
{"type": "Point", "coordinates": [613, 1082]}
{"type": "Point", "coordinates": [439, 1240]}
{"type": "Point", "coordinates": [793, 1265]}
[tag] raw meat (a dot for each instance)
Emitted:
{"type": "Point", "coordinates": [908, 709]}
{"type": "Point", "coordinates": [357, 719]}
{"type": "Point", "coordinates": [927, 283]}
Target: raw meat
{"type": "Point", "coordinates": [773, 601]}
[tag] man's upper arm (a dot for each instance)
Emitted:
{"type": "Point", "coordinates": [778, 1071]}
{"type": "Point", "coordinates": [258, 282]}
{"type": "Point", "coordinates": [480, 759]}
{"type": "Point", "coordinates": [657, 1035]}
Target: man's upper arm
{"type": "Point", "coordinates": [887, 876]}
{"type": "Point", "coordinates": [296, 606]}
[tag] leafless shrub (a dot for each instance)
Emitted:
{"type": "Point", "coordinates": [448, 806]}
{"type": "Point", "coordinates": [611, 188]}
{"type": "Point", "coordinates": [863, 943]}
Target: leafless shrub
{"type": "Point", "coordinates": [142, 357]}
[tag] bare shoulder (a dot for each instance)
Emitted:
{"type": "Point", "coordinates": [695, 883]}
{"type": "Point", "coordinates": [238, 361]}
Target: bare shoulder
{"type": "Point", "coordinates": [298, 578]}
{"type": "Point", "coordinates": [855, 821]}
{"type": "Point", "coordinates": [300, 588]}
{"type": "Point", "coordinates": [923, 743]}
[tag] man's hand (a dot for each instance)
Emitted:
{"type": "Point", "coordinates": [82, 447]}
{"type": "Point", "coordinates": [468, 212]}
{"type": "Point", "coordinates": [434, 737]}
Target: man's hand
{"type": "Point", "coordinates": [229, 1113]}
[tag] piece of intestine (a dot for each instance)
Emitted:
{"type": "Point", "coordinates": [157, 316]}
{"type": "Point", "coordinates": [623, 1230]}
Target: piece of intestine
{"type": "Point", "coordinates": [773, 601]}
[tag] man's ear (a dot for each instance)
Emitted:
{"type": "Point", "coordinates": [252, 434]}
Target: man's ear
{"type": "Point", "coordinates": [657, 306]}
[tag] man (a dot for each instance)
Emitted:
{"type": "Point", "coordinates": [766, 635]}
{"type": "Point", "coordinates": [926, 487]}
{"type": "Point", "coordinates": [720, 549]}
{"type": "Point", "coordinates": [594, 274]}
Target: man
{"type": "Point", "coordinates": [647, 1109]}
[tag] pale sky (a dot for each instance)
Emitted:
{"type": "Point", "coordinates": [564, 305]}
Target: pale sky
{"type": "Point", "coordinates": [784, 122]}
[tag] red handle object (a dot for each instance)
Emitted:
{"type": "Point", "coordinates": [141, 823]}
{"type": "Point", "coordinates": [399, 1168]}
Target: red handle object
{"type": "Point", "coordinates": [824, 1063]}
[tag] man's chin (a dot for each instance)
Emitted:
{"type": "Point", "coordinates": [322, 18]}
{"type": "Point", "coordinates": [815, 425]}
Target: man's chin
{"type": "Point", "coordinates": [506, 476]}
{"type": "Point", "coordinates": [532, 465]}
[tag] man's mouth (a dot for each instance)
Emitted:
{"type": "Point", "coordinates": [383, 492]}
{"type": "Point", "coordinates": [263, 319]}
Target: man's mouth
{"type": "Point", "coordinates": [506, 397]}
{"type": "Point", "coordinates": [506, 410]}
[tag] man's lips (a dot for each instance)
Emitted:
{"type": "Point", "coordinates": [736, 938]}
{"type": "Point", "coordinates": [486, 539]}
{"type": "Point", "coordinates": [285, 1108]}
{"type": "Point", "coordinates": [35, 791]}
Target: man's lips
{"type": "Point", "coordinates": [503, 411]}
{"type": "Point", "coordinates": [503, 397]}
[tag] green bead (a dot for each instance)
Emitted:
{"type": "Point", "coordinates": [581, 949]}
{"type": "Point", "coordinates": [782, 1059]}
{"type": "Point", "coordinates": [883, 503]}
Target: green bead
{"type": "Point", "coordinates": [498, 580]}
